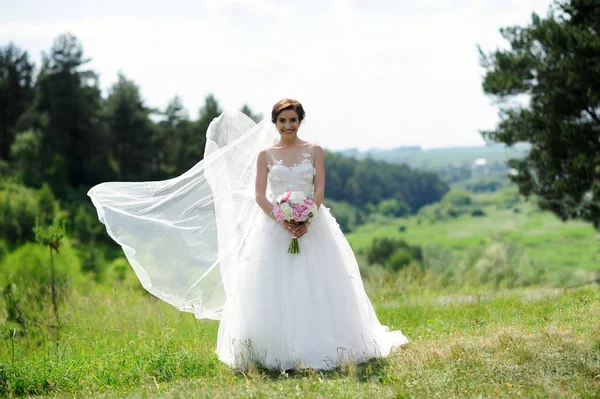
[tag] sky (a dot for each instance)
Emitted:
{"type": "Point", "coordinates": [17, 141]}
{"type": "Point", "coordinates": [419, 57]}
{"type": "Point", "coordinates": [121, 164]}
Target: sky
{"type": "Point", "coordinates": [369, 73]}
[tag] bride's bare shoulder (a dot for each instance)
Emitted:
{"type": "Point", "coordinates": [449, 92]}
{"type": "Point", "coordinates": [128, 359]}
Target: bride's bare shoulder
{"type": "Point", "coordinates": [316, 147]}
{"type": "Point", "coordinates": [265, 150]}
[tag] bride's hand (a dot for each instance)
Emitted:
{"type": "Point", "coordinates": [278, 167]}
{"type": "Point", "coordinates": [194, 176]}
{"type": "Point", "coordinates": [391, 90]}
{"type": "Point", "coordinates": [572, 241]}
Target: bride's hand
{"type": "Point", "coordinates": [290, 227]}
{"type": "Point", "coordinates": [295, 229]}
{"type": "Point", "coordinates": [301, 230]}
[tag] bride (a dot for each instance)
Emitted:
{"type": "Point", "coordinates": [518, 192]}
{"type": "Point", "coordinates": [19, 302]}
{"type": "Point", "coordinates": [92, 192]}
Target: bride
{"type": "Point", "coordinates": [201, 243]}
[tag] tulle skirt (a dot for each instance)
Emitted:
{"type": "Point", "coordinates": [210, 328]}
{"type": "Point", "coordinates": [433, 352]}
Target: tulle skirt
{"type": "Point", "coordinates": [306, 310]}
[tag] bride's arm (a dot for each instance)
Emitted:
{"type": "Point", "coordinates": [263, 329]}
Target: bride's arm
{"type": "Point", "coordinates": [260, 186]}
{"type": "Point", "coordinates": [319, 179]}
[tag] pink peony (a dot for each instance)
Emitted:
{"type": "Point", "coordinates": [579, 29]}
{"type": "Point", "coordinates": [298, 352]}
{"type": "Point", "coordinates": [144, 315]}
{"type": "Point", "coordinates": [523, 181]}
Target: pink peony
{"type": "Point", "coordinates": [309, 202]}
{"type": "Point", "coordinates": [301, 212]}
{"type": "Point", "coordinates": [286, 196]}
{"type": "Point", "coordinates": [277, 213]}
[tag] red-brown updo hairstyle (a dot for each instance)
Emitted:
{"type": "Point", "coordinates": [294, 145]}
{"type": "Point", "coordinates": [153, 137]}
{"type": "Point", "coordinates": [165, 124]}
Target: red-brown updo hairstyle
{"type": "Point", "coordinates": [285, 104]}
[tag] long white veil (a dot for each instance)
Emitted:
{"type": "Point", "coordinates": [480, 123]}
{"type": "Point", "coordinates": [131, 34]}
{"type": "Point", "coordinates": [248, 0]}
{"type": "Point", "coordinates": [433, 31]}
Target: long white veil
{"type": "Point", "coordinates": [184, 236]}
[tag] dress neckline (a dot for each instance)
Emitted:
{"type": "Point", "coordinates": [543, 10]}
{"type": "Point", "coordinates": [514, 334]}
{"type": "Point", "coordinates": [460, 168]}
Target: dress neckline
{"type": "Point", "coordinates": [296, 146]}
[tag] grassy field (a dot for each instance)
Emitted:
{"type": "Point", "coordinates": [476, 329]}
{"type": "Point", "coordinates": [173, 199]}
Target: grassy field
{"type": "Point", "coordinates": [467, 339]}
{"type": "Point", "coordinates": [543, 239]}
{"type": "Point", "coordinates": [538, 342]}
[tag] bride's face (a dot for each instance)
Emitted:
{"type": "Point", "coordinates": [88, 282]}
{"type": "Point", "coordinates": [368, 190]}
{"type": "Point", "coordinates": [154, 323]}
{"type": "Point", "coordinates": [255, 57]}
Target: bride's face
{"type": "Point", "coordinates": [287, 123]}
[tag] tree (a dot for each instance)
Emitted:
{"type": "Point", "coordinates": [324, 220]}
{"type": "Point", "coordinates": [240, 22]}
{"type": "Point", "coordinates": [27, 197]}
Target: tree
{"type": "Point", "coordinates": [168, 136]}
{"type": "Point", "coordinates": [255, 117]}
{"type": "Point", "coordinates": [175, 112]}
{"type": "Point", "coordinates": [131, 131]}
{"type": "Point", "coordinates": [16, 93]}
{"type": "Point", "coordinates": [555, 63]}
{"type": "Point", "coordinates": [70, 100]}
{"type": "Point", "coordinates": [191, 136]}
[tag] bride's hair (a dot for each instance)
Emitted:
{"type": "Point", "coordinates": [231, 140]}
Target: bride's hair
{"type": "Point", "coordinates": [284, 104]}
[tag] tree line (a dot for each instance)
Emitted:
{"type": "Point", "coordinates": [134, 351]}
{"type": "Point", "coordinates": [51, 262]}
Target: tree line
{"type": "Point", "coordinates": [56, 128]}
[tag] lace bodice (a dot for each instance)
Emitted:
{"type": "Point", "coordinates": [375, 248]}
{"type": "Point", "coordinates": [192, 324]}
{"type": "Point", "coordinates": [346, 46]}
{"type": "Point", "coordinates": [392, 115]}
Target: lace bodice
{"type": "Point", "coordinates": [291, 169]}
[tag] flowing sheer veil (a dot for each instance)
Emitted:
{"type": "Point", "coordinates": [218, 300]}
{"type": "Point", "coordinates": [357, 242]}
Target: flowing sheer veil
{"type": "Point", "coordinates": [184, 236]}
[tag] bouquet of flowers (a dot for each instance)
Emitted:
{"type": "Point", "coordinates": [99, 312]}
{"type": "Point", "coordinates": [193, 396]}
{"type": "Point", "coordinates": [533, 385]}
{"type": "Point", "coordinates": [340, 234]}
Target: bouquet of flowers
{"type": "Point", "coordinates": [294, 206]}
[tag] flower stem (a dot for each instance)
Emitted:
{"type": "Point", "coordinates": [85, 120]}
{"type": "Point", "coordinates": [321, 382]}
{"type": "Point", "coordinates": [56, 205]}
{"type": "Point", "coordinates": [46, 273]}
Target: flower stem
{"type": "Point", "coordinates": [294, 248]}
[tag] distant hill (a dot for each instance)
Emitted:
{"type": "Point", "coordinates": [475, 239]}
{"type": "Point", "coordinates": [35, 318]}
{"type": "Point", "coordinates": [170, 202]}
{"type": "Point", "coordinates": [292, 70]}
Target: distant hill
{"type": "Point", "coordinates": [482, 168]}
{"type": "Point", "coordinates": [439, 158]}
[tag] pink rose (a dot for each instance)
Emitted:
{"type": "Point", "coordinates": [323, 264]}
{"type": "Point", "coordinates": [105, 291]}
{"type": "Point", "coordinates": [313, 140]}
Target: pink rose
{"type": "Point", "coordinates": [286, 196]}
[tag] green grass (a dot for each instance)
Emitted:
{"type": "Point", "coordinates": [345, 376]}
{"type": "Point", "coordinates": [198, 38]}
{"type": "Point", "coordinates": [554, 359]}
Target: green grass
{"type": "Point", "coordinates": [525, 342]}
{"type": "Point", "coordinates": [468, 338]}
{"type": "Point", "coordinates": [544, 239]}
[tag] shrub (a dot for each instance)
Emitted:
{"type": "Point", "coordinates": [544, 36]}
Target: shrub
{"type": "Point", "coordinates": [3, 250]}
{"type": "Point", "coordinates": [393, 253]}
{"type": "Point", "coordinates": [25, 278]}
{"type": "Point", "coordinates": [86, 226]}
{"type": "Point", "coordinates": [477, 212]}
{"type": "Point", "coordinates": [457, 198]}
{"type": "Point", "coordinates": [26, 153]}
{"type": "Point", "coordinates": [399, 259]}
{"type": "Point", "coordinates": [19, 207]}
{"type": "Point", "coordinates": [393, 207]}
{"type": "Point", "coordinates": [47, 205]}
{"type": "Point", "coordinates": [119, 273]}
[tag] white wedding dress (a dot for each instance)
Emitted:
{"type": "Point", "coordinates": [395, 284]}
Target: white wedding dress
{"type": "Point", "coordinates": [300, 310]}
{"type": "Point", "coordinates": [200, 242]}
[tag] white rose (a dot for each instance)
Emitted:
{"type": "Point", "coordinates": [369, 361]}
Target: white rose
{"type": "Point", "coordinates": [297, 196]}
{"type": "Point", "coordinates": [287, 211]}
{"type": "Point", "coordinates": [313, 208]}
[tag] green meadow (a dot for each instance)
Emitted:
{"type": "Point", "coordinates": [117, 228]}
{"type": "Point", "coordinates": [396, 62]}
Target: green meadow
{"type": "Point", "coordinates": [533, 342]}
{"type": "Point", "coordinates": [565, 252]}
{"type": "Point", "coordinates": [502, 305]}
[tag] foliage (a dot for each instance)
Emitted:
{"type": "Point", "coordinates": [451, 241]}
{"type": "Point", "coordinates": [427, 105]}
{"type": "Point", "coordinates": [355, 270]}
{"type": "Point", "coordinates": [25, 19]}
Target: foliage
{"type": "Point", "coordinates": [86, 227]}
{"type": "Point", "coordinates": [73, 135]}
{"type": "Point", "coordinates": [393, 253]}
{"type": "Point", "coordinates": [394, 207]}
{"type": "Point", "coordinates": [255, 117]}
{"type": "Point", "coordinates": [131, 131]}
{"type": "Point", "coordinates": [191, 136]}
{"type": "Point", "coordinates": [50, 235]}
{"type": "Point", "coordinates": [553, 62]}
{"type": "Point", "coordinates": [348, 216]}
{"type": "Point", "coordinates": [455, 203]}
{"type": "Point", "coordinates": [19, 207]}
{"type": "Point", "coordinates": [71, 138]}
{"type": "Point", "coordinates": [457, 198]}
{"type": "Point", "coordinates": [25, 278]}
{"type": "Point", "coordinates": [484, 185]}
{"type": "Point", "coordinates": [532, 246]}
{"type": "Point", "coordinates": [477, 212]}
{"type": "Point", "coordinates": [26, 157]}
{"type": "Point", "coordinates": [16, 93]}
{"type": "Point", "coordinates": [48, 208]}
{"type": "Point", "coordinates": [367, 181]}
